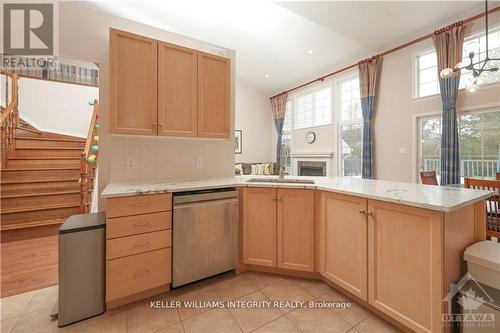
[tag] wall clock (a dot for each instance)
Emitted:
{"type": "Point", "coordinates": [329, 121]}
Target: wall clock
{"type": "Point", "coordinates": [310, 137]}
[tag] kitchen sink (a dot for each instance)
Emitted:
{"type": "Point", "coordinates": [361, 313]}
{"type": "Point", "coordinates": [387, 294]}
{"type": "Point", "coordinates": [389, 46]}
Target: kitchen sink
{"type": "Point", "coordinates": [277, 180]}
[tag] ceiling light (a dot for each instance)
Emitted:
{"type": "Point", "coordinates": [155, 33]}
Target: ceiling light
{"type": "Point", "coordinates": [310, 51]}
{"type": "Point", "coordinates": [267, 75]}
{"type": "Point", "coordinates": [483, 70]}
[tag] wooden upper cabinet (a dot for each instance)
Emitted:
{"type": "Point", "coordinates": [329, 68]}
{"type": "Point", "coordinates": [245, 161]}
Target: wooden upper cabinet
{"type": "Point", "coordinates": [213, 96]}
{"type": "Point", "coordinates": [177, 90]}
{"type": "Point", "coordinates": [259, 226]}
{"type": "Point", "coordinates": [343, 245]}
{"type": "Point", "coordinates": [133, 84]}
{"type": "Point", "coordinates": [405, 264]}
{"type": "Point", "coordinates": [296, 229]}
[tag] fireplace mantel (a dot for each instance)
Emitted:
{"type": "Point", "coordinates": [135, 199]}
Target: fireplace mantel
{"type": "Point", "coordinates": [312, 155]}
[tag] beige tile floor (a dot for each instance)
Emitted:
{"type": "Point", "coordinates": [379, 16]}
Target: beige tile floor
{"type": "Point", "coordinates": [29, 312]}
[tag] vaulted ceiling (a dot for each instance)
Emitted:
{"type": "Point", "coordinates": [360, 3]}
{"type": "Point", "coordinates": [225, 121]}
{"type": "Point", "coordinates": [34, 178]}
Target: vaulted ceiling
{"type": "Point", "coordinates": [281, 43]}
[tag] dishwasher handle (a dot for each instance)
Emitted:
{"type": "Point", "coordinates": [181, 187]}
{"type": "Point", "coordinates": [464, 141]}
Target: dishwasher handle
{"type": "Point", "coordinates": [204, 203]}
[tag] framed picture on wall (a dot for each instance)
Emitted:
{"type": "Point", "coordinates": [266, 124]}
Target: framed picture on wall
{"type": "Point", "coordinates": [238, 144]}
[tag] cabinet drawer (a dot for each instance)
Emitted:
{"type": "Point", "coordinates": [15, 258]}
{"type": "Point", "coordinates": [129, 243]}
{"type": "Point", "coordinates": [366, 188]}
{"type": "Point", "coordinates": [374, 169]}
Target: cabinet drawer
{"type": "Point", "coordinates": [126, 246]}
{"type": "Point", "coordinates": [138, 204]}
{"type": "Point", "coordinates": [131, 275]}
{"type": "Point", "coordinates": [137, 224]}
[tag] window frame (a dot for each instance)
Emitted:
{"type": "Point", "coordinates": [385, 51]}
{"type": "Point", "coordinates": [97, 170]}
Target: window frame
{"type": "Point", "coordinates": [418, 54]}
{"type": "Point", "coordinates": [340, 123]}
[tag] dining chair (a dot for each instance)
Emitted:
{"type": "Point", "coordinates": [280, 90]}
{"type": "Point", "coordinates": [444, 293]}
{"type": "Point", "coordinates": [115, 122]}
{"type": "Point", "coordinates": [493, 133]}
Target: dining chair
{"type": "Point", "coordinates": [492, 204]}
{"type": "Point", "coordinates": [428, 177]}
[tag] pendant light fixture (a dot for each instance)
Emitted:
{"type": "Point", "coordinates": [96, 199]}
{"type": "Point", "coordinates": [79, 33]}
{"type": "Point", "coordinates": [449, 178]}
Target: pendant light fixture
{"type": "Point", "coordinates": [483, 71]}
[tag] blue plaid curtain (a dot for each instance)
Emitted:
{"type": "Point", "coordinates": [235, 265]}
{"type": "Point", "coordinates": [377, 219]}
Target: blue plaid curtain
{"type": "Point", "coordinates": [448, 43]}
{"type": "Point", "coordinates": [369, 71]}
{"type": "Point", "coordinates": [278, 105]}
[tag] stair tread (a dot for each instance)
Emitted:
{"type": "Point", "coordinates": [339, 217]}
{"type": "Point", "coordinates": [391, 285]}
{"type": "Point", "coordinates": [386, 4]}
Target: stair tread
{"type": "Point", "coordinates": [39, 207]}
{"type": "Point", "coordinates": [43, 158]}
{"type": "Point", "coordinates": [35, 194]}
{"type": "Point", "coordinates": [42, 169]}
{"type": "Point", "coordinates": [28, 224]}
{"type": "Point", "coordinates": [28, 129]}
{"type": "Point", "coordinates": [38, 181]}
{"type": "Point", "coordinates": [20, 137]}
{"type": "Point", "coordinates": [49, 148]}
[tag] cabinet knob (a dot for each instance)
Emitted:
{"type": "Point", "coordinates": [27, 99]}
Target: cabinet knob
{"type": "Point", "coordinates": [160, 124]}
{"type": "Point", "coordinates": [369, 213]}
{"type": "Point", "coordinates": [154, 123]}
{"type": "Point", "coordinates": [362, 211]}
{"type": "Point", "coordinates": [279, 199]}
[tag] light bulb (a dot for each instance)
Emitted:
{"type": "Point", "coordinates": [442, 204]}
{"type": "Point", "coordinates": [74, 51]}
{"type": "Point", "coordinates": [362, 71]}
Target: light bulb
{"type": "Point", "coordinates": [472, 89]}
{"type": "Point", "coordinates": [446, 73]}
{"type": "Point", "coordinates": [480, 79]}
{"type": "Point", "coordinates": [472, 47]}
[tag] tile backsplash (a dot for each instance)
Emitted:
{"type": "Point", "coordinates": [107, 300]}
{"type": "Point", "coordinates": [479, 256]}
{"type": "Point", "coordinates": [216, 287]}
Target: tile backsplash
{"type": "Point", "coordinates": [137, 158]}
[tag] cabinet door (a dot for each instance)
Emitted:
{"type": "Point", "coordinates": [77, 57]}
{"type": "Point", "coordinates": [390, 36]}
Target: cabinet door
{"type": "Point", "coordinates": [213, 96]}
{"type": "Point", "coordinates": [405, 264]}
{"type": "Point", "coordinates": [343, 242]}
{"type": "Point", "coordinates": [133, 84]}
{"type": "Point", "coordinates": [177, 90]}
{"type": "Point", "coordinates": [259, 226]}
{"type": "Point", "coordinates": [296, 229]}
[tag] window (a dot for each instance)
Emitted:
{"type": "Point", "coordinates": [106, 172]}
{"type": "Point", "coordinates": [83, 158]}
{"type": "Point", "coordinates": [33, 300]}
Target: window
{"type": "Point", "coordinates": [479, 135]}
{"type": "Point", "coordinates": [350, 127]}
{"type": "Point", "coordinates": [427, 77]}
{"type": "Point", "coordinates": [313, 109]}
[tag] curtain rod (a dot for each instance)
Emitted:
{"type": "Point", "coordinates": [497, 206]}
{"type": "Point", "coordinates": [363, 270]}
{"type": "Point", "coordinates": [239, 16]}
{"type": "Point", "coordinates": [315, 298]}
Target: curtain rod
{"type": "Point", "coordinates": [394, 49]}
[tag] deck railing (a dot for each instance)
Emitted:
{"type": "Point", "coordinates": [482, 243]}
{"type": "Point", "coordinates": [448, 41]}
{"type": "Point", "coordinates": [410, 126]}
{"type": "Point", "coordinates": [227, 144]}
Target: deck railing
{"type": "Point", "coordinates": [88, 161]}
{"type": "Point", "coordinates": [9, 115]}
{"type": "Point", "coordinates": [468, 168]}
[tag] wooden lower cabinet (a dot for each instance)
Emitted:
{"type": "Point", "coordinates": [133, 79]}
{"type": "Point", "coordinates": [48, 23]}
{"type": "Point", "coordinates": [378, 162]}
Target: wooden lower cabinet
{"type": "Point", "coordinates": [138, 247]}
{"type": "Point", "coordinates": [134, 274]}
{"type": "Point", "coordinates": [278, 228]}
{"type": "Point", "coordinates": [259, 226]}
{"type": "Point", "coordinates": [406, 263]}
{"type": "Point", "coordinates": [343, 234]}
{"type": "Point", "coordinates": [295, 229]}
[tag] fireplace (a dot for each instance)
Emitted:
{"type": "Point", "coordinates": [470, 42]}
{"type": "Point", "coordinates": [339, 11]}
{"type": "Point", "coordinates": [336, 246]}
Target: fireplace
{"type": "Point", "coordinates": [311, 168]}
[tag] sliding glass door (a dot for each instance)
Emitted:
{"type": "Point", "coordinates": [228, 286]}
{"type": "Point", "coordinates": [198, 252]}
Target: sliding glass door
{"type": "Point", "coordinates": [479, 135]}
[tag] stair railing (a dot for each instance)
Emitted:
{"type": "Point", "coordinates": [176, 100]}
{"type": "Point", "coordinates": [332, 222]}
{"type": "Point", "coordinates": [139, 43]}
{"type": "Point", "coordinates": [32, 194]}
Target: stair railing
{"type": "Point", "coordinates": [88, 160]}
{"type": "Point", "coordinates": [9, 116]}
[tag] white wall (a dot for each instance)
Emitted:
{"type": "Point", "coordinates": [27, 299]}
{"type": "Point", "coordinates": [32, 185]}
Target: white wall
{"type": "Point", "coordinates": [84, 34]}
{"type": "Point", "coordinates": [254, 119]}
{"type": "Point", "coordinates": [56, 107]}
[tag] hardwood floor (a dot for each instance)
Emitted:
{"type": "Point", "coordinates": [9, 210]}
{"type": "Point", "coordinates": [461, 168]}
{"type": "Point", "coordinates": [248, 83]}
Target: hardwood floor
{"type": "Point", "coordinates": [29, 263]}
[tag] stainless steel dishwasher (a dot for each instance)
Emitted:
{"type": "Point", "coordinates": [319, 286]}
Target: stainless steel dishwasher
{"type": "Point", "coordinates": [205, 234]}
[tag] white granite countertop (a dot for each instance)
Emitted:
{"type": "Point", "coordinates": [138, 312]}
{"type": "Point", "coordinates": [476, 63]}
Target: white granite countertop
{"type": "Point", "coordinates": [425, 196]}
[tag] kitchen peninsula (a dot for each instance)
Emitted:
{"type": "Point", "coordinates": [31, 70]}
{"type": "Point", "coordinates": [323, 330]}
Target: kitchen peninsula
{"type": "Point", "coordinates": [395, 247]}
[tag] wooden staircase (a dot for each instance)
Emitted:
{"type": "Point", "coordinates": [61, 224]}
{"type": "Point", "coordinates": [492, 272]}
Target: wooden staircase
{"type": "Point", "coordinates": [40, 181]}
{"type": "Point", "coordinates": [45, 178]}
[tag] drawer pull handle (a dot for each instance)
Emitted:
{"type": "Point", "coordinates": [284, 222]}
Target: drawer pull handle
{"type": "Point", "coordinates": [143, 204]}
{"type": "Point", "coordinates": [362, 211]}
{"type": "Point", "coordinates": [369, 213]}
{"type": "Point", "coordinates": [141, 225]}
{"type": "Point", "coordinates": [141, 244]}
{"type": "Point", "coordinates": [142, 273]}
